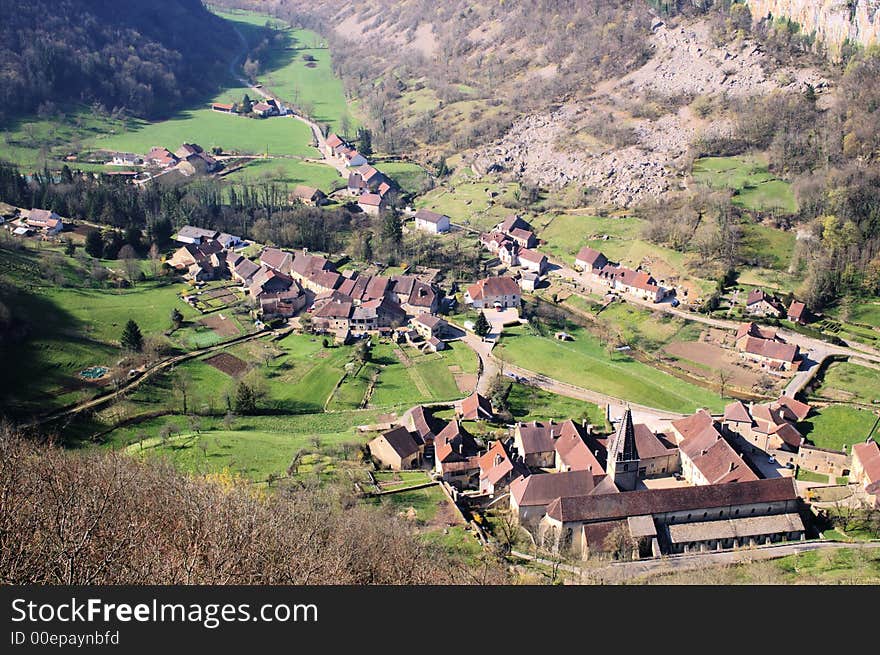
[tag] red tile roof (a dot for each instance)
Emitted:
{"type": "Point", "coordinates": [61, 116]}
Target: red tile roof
{"type": "Point", "coordinates": [476, 407]}
{"type": "Point", "coordinates": [592, 257]}
{"type": "Point", "coordinates": [370, 200]}
{"type": "Point", "coordinates": [868, 454]}
{"type": "Point", "coordinates": [782, 352]}
{"type": "Point", "coordinates": [544, 488]}
{"type": "Point", "coordinates": [736, 412]}
{"type": "Point", "coordinates": [574, 452]}
{"type": "Point", "coordinates": [793, 410]}
{"type": "Point", "coordinates": [492, 287]}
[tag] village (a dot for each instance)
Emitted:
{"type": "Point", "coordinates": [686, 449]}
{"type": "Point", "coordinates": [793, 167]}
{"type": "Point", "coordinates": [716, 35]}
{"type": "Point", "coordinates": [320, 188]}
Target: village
{"type": "Point", "coordinates": [594, 464]}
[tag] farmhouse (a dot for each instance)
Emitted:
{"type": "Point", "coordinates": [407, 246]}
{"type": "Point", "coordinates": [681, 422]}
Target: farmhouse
{"type": "Point", "coordinates": [590, 260]}
{"type": "Point", "coordinates": [431, 221]}
{"type": "Point", "coordinates": [676, 520]}
{"type": "Point", "coordinates": [352, 158]}
{"type": "Point", "coordinates": [415, 296]}
{"type": "Point", "coordinates": [498, 469]}
{"type": "Point", "coordinates": [206, 257]}
{"type": "Point", "coordinates": [638, 283]}
{"type": "Point", "coordinates": [372, 203]}
{"type": "Point", "coordinates": [512, 222]}
{"type": "Point", "coordinates": [333, 146]}
{"type": "Point", "coordinates": [44, 220]}
{"type": "Point", "coordinates": [499, 292]}
{"type": "Point", "coordinates": [759, 303]}
{"type": "Point", "coordinates": [397, 449]}
{"type": "Point", "coordinates": [126, 159]}
{"type": "Point", "coordinates": [456, 456]}
{"type": "Point", "coordinates": [222, 107]}
{"type": "Point", "coordinates": [283, 304]}
{"type": "Point", "coordinates": [523, 238]}
{"type": "Point", "coordinates": [866, 469]}
{"type": "Point", "coordinates": [535, 443]}
{"type": "Point", "coordinates": [767, 426]}
{"type": "Point", "coordinates": [161, 158]}
{"type": "Point", "coordinates": [195, 235]}
{"type": "Point", "coordinates": [529, 281]}
{"type": "Point", "coordinates": [475, 407]}
{"type": "Point", "coordinates": [422, 422]}
{"type": "Point", "coordinates": [366, 178]}
{"type": "Point", "coordinates": [309, 195]}
{"type": "Point", "coordinates": [268, 281]}
{"type": "Point", "coordinates": [430, 326]}
{"type": "Point", "coordinates": [533, 261]}
{"type": "Point", "coordinates": [773, 354]}
{"type": "Point", "coordinates": [798, 313]}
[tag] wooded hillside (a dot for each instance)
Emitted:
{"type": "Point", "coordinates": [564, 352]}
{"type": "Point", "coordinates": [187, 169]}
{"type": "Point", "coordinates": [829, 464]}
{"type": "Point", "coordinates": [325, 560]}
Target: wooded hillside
{"type": "Point", "coordinates": [147, 57]}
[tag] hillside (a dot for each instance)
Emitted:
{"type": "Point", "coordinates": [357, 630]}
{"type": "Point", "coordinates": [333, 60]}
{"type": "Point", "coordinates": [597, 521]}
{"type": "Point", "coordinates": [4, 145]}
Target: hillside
{"type": "Point", "coordinates": [104, 518]}
{"type": "Point", "coordinates": [146, 57]}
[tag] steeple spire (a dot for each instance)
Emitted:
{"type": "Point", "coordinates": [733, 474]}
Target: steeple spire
{"type": "Point", "coordinates": [623, 446]}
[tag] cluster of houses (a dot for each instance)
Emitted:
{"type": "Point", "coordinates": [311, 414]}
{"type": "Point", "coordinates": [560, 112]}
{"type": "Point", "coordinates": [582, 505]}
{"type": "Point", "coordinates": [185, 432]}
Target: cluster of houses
{"type": "Point", "coordinates": [764, 346]}
{"type": "Point", "coordinates": [573, 489]}
{"type": "Point", "coordinates": [371, 187]}
{"type": "Point", "coordinates": [494, 293]}
{"type": "Point", "coordinates": [513, 241]}
{"type": "Point", "coordinates": [620, 278]}
{"type": "Point", "coordinates": [763, 304]}
{"type": "Point", "coordinates": [189, 159]}
{"type": "Point", "coordinates": [345, 304]}
{"type": "Point", "coordinates": [261, 109]}
{"type": "Point", "coordinates": [37, 221]}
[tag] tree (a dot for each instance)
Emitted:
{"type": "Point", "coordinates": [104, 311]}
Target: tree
{"type": "Point", "coordinates": [365, 141]}
{"type": "Point", "coordinates": [181, 384]}
{"type": "Point", "coordinates": [362, 351]}
{"type": "Point", "coordinates": [95, 244]}
{"type": "Point", "coordinates": [246, 106]}
{"type": "Point", "coordinates": [723, 379]}
{"type": "Point", "coordinates": [132, 338]}
{"type": "Point", "coordinates": [130, 263]}
{"type": "Point", "coordinates": [482, 327]}
{"type": "Point", "coordinates": [69, 247]}
{"type": "Point", "coordinates": [245, 399]}
{"type": "Point", "coordinates": [155, 260]}
{"type": "Point", "coordinates": [176, 318]}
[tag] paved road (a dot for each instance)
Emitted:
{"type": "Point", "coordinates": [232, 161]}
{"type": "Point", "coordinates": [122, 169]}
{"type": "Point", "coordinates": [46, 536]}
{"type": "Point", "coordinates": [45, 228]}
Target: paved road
{"type": "Point", "coordinates": [618, 572]}
{"type": "Point", "coordinates": [491, 365]}
{"type": "Point", "coordinates": [817, 346]}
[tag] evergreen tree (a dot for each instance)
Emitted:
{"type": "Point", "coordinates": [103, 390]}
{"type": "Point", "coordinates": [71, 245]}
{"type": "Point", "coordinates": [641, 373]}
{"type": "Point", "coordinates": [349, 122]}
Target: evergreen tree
{"type": "Point", "coordinates": [245, 399]}
{"type": "Point", "coordinates": [176, 318]}
{"type": "Point", "coordinates": [365, 141]}
{"type": "Point", "coordinates": [95, 244]}
{"type": "Point", "coordinates": [482, 327]}
{"type": "Point", "coordinates": [246, 106]}
{"type": "Point", "coordinates": [132, 339]}
{"type": "Point", "coordinates": [161, 232]}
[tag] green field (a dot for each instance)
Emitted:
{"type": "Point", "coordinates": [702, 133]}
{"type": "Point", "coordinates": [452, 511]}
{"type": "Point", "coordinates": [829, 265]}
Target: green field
{"type": "Point", "coordinates": [428, 378]}
{"type": "Point", "coordinates": [252, 454]}
{"type": "Point", "coordinates": [471, 203]}
{"type": "Point", "coordinates": [770, 247]}
{"type": "Point", "coordinates": [291, 172]}
{"type": "Point", "coordinates": [851, 383]}
{"type": "Point", "coordinates": [411, 178]}
{"type": "Point", "coordinates": [70, 329]}
{"type": "Point", "coordinates": [837, 426]}
{"type": "Point", "coordinates": [284, 70]}
{"type": "Point", "coordinates": [529, 403]}
{"type": "Point", "coordinates": [753, 185]}
{"type": "Point", "coordinates": [584, 362]}
{"type": "Point", "coordinates": [425, 502]}
{"type": "Point", "coordinates": [208, 128]}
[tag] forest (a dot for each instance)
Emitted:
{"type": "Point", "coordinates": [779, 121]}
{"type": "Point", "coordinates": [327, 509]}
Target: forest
{"type": "Point", "coordinates": [147, 58]}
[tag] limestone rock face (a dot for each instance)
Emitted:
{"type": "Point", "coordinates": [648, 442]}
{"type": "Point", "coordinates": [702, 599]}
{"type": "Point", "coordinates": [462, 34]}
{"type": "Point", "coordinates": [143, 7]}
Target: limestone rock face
{"type": "Point", "coordinates": [833, 21]}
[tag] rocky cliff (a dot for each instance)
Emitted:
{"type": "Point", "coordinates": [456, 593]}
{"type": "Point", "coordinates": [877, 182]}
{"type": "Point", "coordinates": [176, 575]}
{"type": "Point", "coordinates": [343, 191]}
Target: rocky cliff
{"type": "Point", "coordinates": [833, 21]}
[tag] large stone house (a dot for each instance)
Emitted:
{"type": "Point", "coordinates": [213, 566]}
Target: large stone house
{"type": "Point", "coordinates": [530, 495]}
{"type": "Point", "coordinates": [498, 469]}
{"type": "Point", "coordinates": [44, 220]}
{"type": "Point", "coordinates": [397, 449]}
{"type": "Point", "coordinates": [760, 303]}
{"type": "Point", "coordinates": [706, 456]}
{"type": "Point", "coordinates": [431, 221]}
{"type": "Point", "coordinates": [497, 292]}
{"type": "Point", "coordinates": [590, 260]}
{"type": "Point", "coordinates": [764, 346]}
{"type": "Point", "coordinates": [456, 456]}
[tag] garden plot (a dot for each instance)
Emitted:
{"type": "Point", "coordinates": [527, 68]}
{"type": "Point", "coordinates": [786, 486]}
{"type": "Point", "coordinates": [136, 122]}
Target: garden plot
{"type": "Point", "coordinates": [229, 364]}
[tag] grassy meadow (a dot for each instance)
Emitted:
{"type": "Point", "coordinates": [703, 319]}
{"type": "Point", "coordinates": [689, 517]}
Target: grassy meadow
{"type": "Point", "coordinates": [584, 362]}
{"type": "Point", "coordinates": [754, 187]}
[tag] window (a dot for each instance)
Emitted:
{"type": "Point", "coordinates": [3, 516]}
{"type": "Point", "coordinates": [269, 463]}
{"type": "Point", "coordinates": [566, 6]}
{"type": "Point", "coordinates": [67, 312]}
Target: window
{"type": "Point", "coordinates": [736, 513]}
